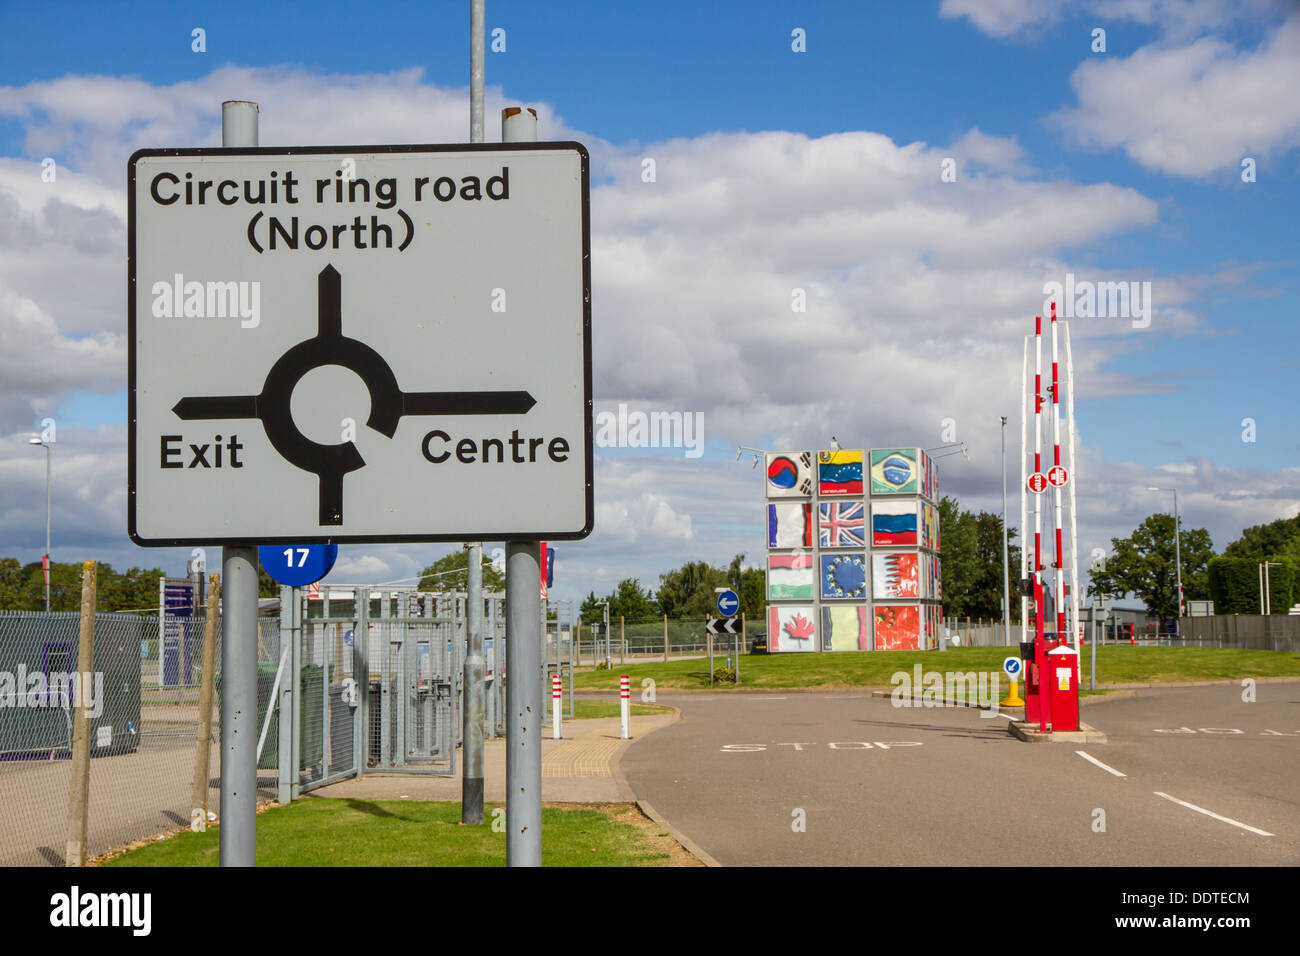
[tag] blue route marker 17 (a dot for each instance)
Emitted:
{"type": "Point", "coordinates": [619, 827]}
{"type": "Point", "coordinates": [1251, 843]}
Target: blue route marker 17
{"type": "Point", "coordinates": [728, 603]}
{"type": "Point", "coordinates": [298, 565]}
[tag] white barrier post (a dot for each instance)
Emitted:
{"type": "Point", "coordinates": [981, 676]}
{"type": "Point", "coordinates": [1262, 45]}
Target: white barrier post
{"type": "Point", "coordinates": [556, 694]}
{"type": "Point", "coordinates": [625, 729]}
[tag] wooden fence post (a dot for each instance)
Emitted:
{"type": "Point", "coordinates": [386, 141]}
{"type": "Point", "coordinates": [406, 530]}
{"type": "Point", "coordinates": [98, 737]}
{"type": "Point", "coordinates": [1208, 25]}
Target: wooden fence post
{"type": "Point", "coordinates": [82, 683]}
{"type": "Point", "coordinates": [203, 738]}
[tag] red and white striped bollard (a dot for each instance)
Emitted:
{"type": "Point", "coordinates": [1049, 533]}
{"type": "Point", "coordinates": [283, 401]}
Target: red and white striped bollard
{"type": "Point", "coordinates": [625, 728]}
{"type": "Point", "coordinates": [556, 694]}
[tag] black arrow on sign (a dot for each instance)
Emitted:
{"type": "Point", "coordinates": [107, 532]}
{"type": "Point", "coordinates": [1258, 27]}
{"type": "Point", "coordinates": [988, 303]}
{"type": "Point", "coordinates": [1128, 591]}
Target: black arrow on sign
{"type": "Point", "coordinates": [724, 626]}
{"type": "Point", "coordinates": [388, 403]}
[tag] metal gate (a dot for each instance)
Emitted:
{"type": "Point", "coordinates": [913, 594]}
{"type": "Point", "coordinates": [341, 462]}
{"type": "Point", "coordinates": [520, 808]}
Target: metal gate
{"type": "Point", "coordinates": [379, 677]}
{"type": "Point", "coordinates": [315, 729]}
{"type": "Point", "coordinates": [413, 691]}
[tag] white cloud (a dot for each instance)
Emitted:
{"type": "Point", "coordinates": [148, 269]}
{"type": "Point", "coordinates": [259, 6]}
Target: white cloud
{"type": "Point", "coordinates": [1002, 18]}
{"type": "Point", "coordinates": [911, 284]}
{"type": "Point", "coordinates": [1176, 19]}
{"type": "Point", "coordinates": [1192, 110]}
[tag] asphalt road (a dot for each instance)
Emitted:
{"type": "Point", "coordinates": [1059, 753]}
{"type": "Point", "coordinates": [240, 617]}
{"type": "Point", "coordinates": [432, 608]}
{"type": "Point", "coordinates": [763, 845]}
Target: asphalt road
{"type": "Point", "coordinates": [876, 785]}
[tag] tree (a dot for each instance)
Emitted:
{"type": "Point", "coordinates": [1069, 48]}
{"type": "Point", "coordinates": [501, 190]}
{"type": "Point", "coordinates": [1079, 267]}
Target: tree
{"type": "Point", "coordinates": [986, 588]}
{"type": "Point", "coordinates": [958, 560]}
{"type": "Point", "coordinates": [688, 591]}
{"type": "Point", "coordinates": [592, 609]}
{"type": "Point", "coordinates": [1235, 585]}
{"type": "Point", "coordinates": [750, 585]}
{"type": "Point", "coordinates": [631, 602]}
{"type": "Point", "coordinates": [1143, 564]}
{"type": "Point", "coordinates": [451, 573]}
{"type": "Point", "coordinates": [1265, 542]}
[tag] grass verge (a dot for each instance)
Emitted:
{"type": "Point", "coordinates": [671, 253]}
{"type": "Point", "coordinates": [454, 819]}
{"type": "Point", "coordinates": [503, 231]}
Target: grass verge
{"type": "Point", "coordinates": [1120, 664]}
{"type": "Point", "coordinates": [330, 832]}
{"type": "Point", "coordinates": [592, 709]}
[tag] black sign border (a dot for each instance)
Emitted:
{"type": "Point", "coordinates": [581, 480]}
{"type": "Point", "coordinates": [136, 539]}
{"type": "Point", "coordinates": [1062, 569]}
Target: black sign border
{"type": "Point", "coordinates": [585, 164]}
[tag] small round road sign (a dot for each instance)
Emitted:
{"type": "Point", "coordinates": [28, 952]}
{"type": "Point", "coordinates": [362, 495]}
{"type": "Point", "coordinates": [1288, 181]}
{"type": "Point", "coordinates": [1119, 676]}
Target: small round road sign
{"type": "Point", "coordinates": [1058, 476]}
{"type": "Point", "coordinates": [298, 565]}
{"type": "Point", "coordinates": [728, 603]}
{"type": "Point", "coordinates": [1012, 666]}
{"type": "Point", "coordinates": [1037, 482]}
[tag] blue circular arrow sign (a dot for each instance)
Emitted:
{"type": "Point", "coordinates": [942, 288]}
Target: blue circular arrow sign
{"type": "Point", "coordinates": [298, 565]}
{"type": "Point", "coordinates": [1012, 666]}
{"type": "Point", "coordinates": [728, 603]}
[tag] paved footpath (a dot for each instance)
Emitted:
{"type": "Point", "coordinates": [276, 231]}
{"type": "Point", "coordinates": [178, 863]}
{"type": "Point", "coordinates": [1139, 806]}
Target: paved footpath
{"type": "Point", "coordinates": [1191, 776]}
{"type": "Point", "coordinates": [582, 768]}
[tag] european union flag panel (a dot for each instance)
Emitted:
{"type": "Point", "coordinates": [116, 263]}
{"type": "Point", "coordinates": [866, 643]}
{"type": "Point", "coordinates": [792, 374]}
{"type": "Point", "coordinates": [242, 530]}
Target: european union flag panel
{"type": "Point", "coordinates": [841, 524]}
{"type": "Point", "coordinates": [893, 523]}
{"type": "Point", "coordinates": [846, 627]}
{"type": "Point", "coordinates": [839, 473]}
{"type": "Point", "coordinates": [789, 475]}
{"type": "Point", "coordinates": [843, 576]}
{"type": "Point", "coordinates": [790, 576]}
{"type": "Point", "coordinates": [894, 471]}
{"type": "Point", "coordinates": [791, 628]}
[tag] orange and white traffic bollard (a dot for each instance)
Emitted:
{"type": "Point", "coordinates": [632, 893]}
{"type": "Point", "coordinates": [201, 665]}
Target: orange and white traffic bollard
{"type": "Point", "coordinates": [556, 694]}
{"type": "Point", "coordinates": [625, 729]}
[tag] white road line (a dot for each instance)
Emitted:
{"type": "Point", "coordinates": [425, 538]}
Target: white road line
{"type": "Point", "coordinates": [1094, 760]}
{"type": "Point", "coordinates": [769, 698]}
{"type": "Point", "coordinates": [1209, 813]}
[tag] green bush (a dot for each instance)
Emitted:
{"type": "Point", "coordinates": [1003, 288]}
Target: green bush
{"type": "Point", "coordinates": [604, 666]}
{"type": "Point", "coordinates": [724, 675]}
{"type": "Point", "coordinates": [1234, 585]}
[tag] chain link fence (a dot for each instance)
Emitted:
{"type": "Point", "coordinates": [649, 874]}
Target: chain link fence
{"type": "Point", "coordinates": [143, 694]}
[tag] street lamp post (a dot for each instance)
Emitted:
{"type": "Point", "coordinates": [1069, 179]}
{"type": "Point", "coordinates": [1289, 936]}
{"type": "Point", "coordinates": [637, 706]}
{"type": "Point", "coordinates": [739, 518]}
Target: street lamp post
{"type": "Point", "coordinates": [1006, 585]}
{"type": "Point", "coordinates": [1178, 561]}
{"type": "Point", "coordinates": [46, 446]}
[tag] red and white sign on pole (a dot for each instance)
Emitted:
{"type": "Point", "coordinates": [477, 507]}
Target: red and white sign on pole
{"type": "Point", "coordinates": [1037, 482]}
{"type": "Point", "coordinates": [1058, 476]}
{"type": "Point", "coordinates": [313, 591]}
{"type": "Point", "coordinates": [625, 729]}
{"type": "Point", "coordinates": [556, 693]}
{"type": "Point", "coordinates": [542, 566]}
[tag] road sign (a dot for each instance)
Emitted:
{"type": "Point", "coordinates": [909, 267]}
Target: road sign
{"type": "Point", "coordinates": [379, 343]}
{"type": "Point", "coordinates": [1013, 667]}
{"type": "Point", "coordinates": [1037, 482]}
{"type": "Point", "coordinates": [729, 626]}
{"type": "Point", "coordinates": [1058, 476]}
{"type": "Point", "coordinates": [298, 565]}
{"type": "Point", "coordinates": [728, 602]}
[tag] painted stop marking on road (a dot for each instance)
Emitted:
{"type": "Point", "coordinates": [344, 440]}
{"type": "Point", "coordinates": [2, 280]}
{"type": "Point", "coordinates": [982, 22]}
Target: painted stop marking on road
{"type": "Point", "coordinates": [1058, 476]}
{"type": "Point", "coordinates": [1037, 482]}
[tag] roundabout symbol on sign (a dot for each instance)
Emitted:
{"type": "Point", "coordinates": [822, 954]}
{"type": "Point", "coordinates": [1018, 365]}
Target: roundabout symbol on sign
{"type": "Point", "coordinates": [388, 403]}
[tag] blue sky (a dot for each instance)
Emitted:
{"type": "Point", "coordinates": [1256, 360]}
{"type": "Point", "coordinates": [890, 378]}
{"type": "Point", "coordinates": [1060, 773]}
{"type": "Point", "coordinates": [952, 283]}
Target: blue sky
{"type": "Point", "coordinates": [663, 78]}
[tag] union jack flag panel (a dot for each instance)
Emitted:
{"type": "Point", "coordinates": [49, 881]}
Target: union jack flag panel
{"type": "Point", "coordinates": [842, 524]}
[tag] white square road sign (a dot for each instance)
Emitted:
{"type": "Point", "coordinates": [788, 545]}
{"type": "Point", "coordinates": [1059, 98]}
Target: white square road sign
{"type": "Point", "coordinates": [369, 343]}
